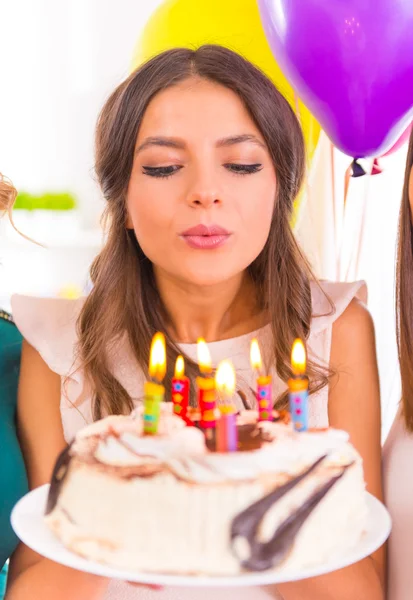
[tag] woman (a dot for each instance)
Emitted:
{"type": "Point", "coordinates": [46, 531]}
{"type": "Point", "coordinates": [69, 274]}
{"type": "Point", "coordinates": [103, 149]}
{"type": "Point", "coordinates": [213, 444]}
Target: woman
{"type": "Point", "coordinates": [13, 482]}
{"type": "Point", "coordinates": [199, 159]}
{"type": "Point", "coordinates": [398, 449]}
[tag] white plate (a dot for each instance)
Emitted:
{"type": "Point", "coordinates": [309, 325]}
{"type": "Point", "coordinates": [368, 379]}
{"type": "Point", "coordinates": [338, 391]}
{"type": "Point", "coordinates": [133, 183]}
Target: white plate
{"type": "Point", "coordinates": [28, 523]}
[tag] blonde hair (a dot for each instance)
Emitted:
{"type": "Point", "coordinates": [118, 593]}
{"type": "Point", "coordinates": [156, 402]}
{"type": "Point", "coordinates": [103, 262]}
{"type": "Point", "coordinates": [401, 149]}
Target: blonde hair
{"type": "Point", "coordinates": [8, 194]}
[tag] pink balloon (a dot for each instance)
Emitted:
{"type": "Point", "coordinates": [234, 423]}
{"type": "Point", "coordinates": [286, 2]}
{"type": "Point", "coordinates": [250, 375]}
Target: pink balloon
{"type": "Point", "coordinates": [403, 139]}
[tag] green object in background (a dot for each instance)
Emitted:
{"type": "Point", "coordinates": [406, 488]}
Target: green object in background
{"type": "Point", "coordinates": [49, 201]}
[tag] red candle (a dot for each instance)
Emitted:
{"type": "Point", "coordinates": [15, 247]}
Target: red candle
{"type": "Point", "coordinates": [180, 390]}
{"type": "Point", "coordinates": [263, 394]}
{"type": "Point", "coordinates": [206, 388]}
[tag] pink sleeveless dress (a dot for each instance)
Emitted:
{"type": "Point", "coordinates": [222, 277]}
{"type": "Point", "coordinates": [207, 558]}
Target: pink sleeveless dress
{"type": "Point", "coordinates": [49, 325]}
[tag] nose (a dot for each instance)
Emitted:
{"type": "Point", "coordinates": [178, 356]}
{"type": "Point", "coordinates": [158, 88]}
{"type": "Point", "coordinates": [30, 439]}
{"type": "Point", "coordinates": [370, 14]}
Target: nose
{"type": "Point", "coordinates": [204, 199]}
{"type": "Point", "coordinates": [204, 191]}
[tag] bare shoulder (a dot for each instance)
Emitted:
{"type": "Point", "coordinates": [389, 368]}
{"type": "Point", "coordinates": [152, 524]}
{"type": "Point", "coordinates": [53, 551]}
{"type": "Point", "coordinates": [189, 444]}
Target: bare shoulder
{"type": "Point", "coordinates": [353, 336]}
{"type": "Point", "coordinates": [354, 395]}
{"type": "Point", "coordinates": [353, 357]}
{"type": "Point", "coordinates": [38, 412]}
{"type": "Point", "coordinates": [356, 317]}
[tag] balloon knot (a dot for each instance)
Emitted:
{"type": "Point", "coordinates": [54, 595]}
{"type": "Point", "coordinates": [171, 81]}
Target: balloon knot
{"type": "Point", "coordinates": [357, 169]}
{"type": "Point", "coordinates": [377, 168]}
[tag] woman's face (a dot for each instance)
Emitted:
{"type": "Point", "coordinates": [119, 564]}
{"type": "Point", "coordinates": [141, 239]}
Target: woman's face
{"type": "Point", "coordinates": [202, 188]}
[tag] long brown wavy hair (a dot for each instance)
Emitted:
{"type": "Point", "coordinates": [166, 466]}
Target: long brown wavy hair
{"type": "Point", "coordinates": [124, 300]}
{"type": "Point", "coordinates": [404, 294]}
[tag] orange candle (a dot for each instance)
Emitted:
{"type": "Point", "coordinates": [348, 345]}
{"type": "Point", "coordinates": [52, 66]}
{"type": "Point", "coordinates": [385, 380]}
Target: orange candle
{"type": "Point", "coordinates": [263, 394]}
{"type": "Point", "coordinates": [298, 387]}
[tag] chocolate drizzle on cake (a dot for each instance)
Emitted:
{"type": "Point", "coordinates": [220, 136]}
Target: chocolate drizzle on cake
{"type": "Point", "coordinates": [266, 555]}
{"type": "Point", "coordinates": [59, 473]}
{"type": "Point", "coordinates": [250, 437]}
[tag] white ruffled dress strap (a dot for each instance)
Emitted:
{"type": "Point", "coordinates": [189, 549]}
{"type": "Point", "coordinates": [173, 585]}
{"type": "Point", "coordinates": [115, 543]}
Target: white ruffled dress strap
{"type": "Point", "coordinates": [49, 325]}
{"type": "Point", "coordinates": [339, 294]}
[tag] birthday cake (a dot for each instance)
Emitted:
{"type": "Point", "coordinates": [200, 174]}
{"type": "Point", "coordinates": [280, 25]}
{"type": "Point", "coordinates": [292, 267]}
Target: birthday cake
{"type": "Point", "coordinates": [167, 503]}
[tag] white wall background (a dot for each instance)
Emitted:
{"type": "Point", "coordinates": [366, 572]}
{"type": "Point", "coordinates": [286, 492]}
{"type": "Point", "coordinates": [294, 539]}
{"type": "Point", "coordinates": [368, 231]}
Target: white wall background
{"type": "Point", "coordinates": [59, 61]}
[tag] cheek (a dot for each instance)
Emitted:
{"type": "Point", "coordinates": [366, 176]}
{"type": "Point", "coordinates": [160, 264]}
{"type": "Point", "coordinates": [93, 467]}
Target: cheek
{"type": "Point", "coordinates": [150, 218]}
{"type": "Point", "coordinates": [256, 215]}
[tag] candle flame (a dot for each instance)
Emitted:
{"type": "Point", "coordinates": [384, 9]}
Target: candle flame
{"type": "Point", "coordinates": [255, 355]}
{"type": "Point", "coordinates": [204, 357]}
{"type": "Point", "coordinates": [225, 379]}
{"type": "Point", "coordinates": [298, 358]}
{"type": "Point", "coordinates": [179, 367]}
{"type": "Point", "coordinates": [157, 360]}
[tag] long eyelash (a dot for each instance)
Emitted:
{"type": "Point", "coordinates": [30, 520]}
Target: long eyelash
{"type": "Point", "coordinates": [161, 172]}
{"type": "Point", "coordinates": [168, 171]}
{"type": "Point", "coordinates": [238, 169]}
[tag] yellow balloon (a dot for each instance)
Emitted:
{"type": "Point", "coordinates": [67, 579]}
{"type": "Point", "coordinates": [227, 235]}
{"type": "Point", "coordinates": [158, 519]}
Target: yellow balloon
{"type": "Point", "coordinates": [235, 24]}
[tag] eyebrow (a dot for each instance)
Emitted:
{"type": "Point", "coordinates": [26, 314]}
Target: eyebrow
{"type": "Point", "coordinates": [166, 142]}
{"type": "Point", "coordinates": [170, 142]}
{"type": "Point", "coordinates": [239, 139]}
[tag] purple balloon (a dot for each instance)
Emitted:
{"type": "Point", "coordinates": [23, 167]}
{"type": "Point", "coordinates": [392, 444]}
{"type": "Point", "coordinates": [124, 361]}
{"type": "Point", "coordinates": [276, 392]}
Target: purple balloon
{"type": "Point", "coordinates": [351, 62]}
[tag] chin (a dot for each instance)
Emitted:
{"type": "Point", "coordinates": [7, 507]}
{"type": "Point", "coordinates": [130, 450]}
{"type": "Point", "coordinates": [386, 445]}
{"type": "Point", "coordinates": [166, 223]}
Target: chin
{"type": "Point", "coordinates": [209, 277]}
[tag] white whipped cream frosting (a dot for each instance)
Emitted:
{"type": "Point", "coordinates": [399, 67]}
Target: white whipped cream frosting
{"type": "Point", "coordinates": [289, 453]}
{"type": "Point", "coordinates": [183, 449]}
{"type": "Point", "coordinates": [131, 450]}
{"type": "Point", "coordinates": [168, 423]}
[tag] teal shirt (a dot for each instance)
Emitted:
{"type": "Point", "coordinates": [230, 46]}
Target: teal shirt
{"type": "Point", "coordinates": [13, 481]}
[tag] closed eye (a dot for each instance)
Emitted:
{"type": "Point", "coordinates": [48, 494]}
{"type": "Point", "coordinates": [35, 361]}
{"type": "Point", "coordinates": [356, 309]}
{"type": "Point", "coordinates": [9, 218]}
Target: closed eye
{"type": "Point", "coordinates": [169, 170]}
{"type": "Point", "coordinates": [239, 169]}
{"type": "Point", "coordinates": [166, 171]}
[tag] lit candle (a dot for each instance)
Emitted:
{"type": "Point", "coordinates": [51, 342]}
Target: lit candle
{"type": "Point", "coordinates": [206, 389]}
{"type": "Point", "coordinates": [298, 387]}
{"type": "Point", "coordinates": [226, 429]}
{"type": "Point", "coordinates": [180, 390]}
{"type": "Point", "coordinates": [154, 391]}
{"type": "Point", "coordinates": [264, 399]}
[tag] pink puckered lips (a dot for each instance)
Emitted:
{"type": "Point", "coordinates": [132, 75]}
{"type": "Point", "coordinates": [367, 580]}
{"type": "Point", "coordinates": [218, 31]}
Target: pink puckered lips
{"type": "Point", "coordinates": [205, 237]}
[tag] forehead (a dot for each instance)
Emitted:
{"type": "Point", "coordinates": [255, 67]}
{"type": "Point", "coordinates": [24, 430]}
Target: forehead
{"type": "Point", "coordinates": [196, 108]}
